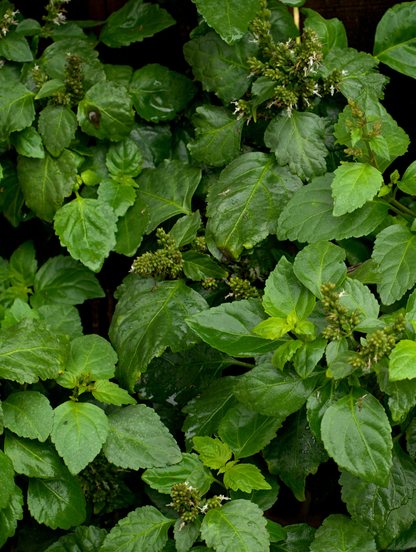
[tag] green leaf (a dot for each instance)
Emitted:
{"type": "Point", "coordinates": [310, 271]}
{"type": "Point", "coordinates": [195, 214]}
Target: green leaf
{"type": "Point", "coordinates": [263, 498]}
{"type": "Point", "coordinates": [358, 296]}
{"type": "Point", "coordinates": [185, 229]}
{"type": "Point", "coordinates": [408, 181]}
{"type": "Point", "coordinates": [403, 361]}
{"type": "Point", "coordinates": [228, 328]}
{"type": "Point", "coordinates": [247, 432]}
{"type": "Point", "coordinates": [220, 67]}
{"type": "Point", "coordinates": [299, 537]}
{"type": "Point", "coordinates": [402, 394]}
{"type": "Point", "coordinates": [395, 43]}
{"type": "Point", "coordinates": [79, 432]}
{"type": "Point", "coordinates": [273, 328]}
{"type": "Point", "coordinates": [295, 453]}
{"type": "Point", "coordinates": [298, 140]}
{"type": "Point", "coordinates": [276, 531]}
{"type": "Point", "coordinates": [189, 469]}
{"type": "Point", "coordinates": [395, 251]}
{"type": "Point", "coordinates": [308, 215]}
{"type": "Point", "coordinates": [81, 539]}
{"type": "Point", "coordinates": [15, 47]}
{"type": "Point", "coordinates": [307, 356]}
{"type": "Point", "coordinates": [186, 536]}
{"type": "Point", "coordinates": [119, 74]}
{"type": "Point", "coordinates": [405, 540]}
{"type": "Point", "coordinates": [138, 439]}
{"type": "Point", "coordinates": [212, 452]}
{"type": "Point", "coordinates": [340, 367]}
{"type": "Point", "coordinates": [57, 126]}
{"type": "Point", "coordinates": [320, 400]}
{"type": "Point", "coordinates": [282, 24]}
{"type": "Point", "coordinates": [110, 393]}
{"type": "Point", "coordinates": [285, 352]}
{"type": "Point", "coordinates": [274, 393]}
{"type": "Point", "coordinates": [154, 142]}
{"type": "Point", "coordinates": [27, 142]}
{"type": "Point", "coordinates": [331, 32]}
{"type": "Point", "coordinates": [245, 202]}
{"type": "Point", "coordinates": [29, 350]}
{"type": "Point", "coordinates": [11, 199]}
{"type": "Point", "coordinates": [319, 263]}
{"type": "Point", "coordinates": [198, 266]}
{"type": "Point", "coordinates": [124, 159]}
{"type": "Point", "coordinates": [135, 21]}
{"type": "Point", "coordinates": [29, 414]}
{"type": "Point", "coordinates": [168, 190]}
{"type": "Point", "coordinates": [10, 515]}
{"type": "Point", "coordinates": [47, 182]}
{"type": "Point", "coordinates": [245, 477]}
{"type": "Point", "coordinates": [341, 532]}
{"type": "Point", "coordinates": [7, 480]}
{"type": "Point", "coordinates": [23, 265]}
{"type": "Point", "coordinates": [57, 502]}
{"type": "Point", "coordinates": [87, 228]}
{"type": "Point", "coordinates": [28, 27]}
{"type": "Point", "coordinates": [113, 109]}
{"type": "Point", "coordinates": [158, 93]}
{"type": "Point", "coordinates": [50, 87]}
{"type": "Point", "coordinates": [284, 293]}
{"type": "Point", "coordinates": [117, 195]}
{"type": "Point", "coordinates": [357, 435]}
{"type": "Point", "coordinates": [147, 321]}
{"type": "Point", "coordinates": [238, 526]}
{"type": "Point", "coordinates": [145, 530]}
{"type": "Point", "coordinates": [217, 135]}
{"type": "Point", "coordinates": [353, 185]}
{"type": "Point", "coordinates": [64, 318]}
{"type": "Point", "coordinates": [32, 458]}
{"type": "Point", "coordinates": [206, 411]}
{"type": "Point", "coordinates": [131, 227]}
{"type": "Point", "coordinates": [64, 280]}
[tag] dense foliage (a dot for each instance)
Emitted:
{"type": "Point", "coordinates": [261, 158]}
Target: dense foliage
{"type": "Point", "coordinates": [267, 325]}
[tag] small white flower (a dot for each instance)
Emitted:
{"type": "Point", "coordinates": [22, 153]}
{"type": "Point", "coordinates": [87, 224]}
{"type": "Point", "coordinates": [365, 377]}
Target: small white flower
{"type": "Point", "coordinates": [6, 16]}
{"type": "Point", "coordinates": [342, 294]}
{"type": "Point", "coordinates": [61, 16]}
{"type": "Point", "coordinates": [4, 31]}
{"type": "Point", "coordinates": [237, 109]}
{"type": "Point", "coordinates": [15, 12]}
{"type": "Point", "coordinates": [36, 67]}
{"type": "Point", "coordinates": [1, 63]}
{"type": "Point", "coordinates": [344, 72]}
{"type": "Point", "coordinates": [316, 90]}
{"type": "Point", "coordinates": [132, 269]}
{"type": "Point", "coordinates": [222, 497]}
{"type": "Point", "coordinates": [306, 71]}
{"type": "Point", "coordinates": [57, 21]}
{"type": "Point", "coordinates": [68, 53]}
{"type": "Point", "coordinates": [240, 116]}
{"type": "Point", "coordinates": [255, 41]}
{"type": "Point", "coordinates": [181, 526]}
{"type": "Point", "coordinates": [249, 76]}
{"type": "Point", "coordinates": [289, 111]}
{"type": "Point", "coordinates": [204, 509]}
{"type": "Point", "coordinates": [332, 89]}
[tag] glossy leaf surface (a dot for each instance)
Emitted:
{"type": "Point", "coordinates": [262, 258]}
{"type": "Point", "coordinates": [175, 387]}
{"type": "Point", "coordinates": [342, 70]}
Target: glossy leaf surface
{"type": "Point", "coordinates": [28, 414]}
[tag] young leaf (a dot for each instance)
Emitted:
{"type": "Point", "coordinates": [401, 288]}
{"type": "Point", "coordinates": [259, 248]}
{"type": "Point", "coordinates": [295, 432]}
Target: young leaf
{"type": "Point", "coordinates": [402, 394]}
{"type": "Point", "coordinates": [276, 531]}
{"type": "Point", "coordinates": [212, 452]}
{"type": "Point", "coordinates": [117, 195]}
{"type": "Point", "coordinates": [138, 439]}
{"type": "Point", "coordinates": [357, 296]}
{"type": "Point", "coordinates": [299, 141]}
{"type": "Point", "coordinates": [220, 67]}
{"type": "Point", "coordinates": [403, 361]}
{"type": "Point", "coordinates": [27, 142]}
{"type": "Point", "coordinates": [154, 142]}
{"type": "Point", "coordinates": [357, 435]}
{"type": "Point", "coordinates": [50, 87]}
{"type": "Point", "coordinates": [23, 265]}
{"type": "Point", "coordinates": [308, 355]}
{"type": "Point", "coordinates": [185, 229]}
{"type": "Point", "coordinates": [340, 531]}
{"type": "Point", "coordinates": [263, 498]}
{"type": "Point", "coordinates": [90, 537]}
{"type": "Point", "coordinates": [217, 135]}
{"type": "Point", "coordinates": [29, 414]}
{"type": "Point", "coordinates": [299, 538]}
{"type": "Point", "coordinates": [110, 393]}
{"type": "Point", "coordinates": [245, 477]}
{"type": "Point", "coordinates": [331, 32]}
{"type": "Point", "coordinates": [124, 159]}
{"type": "Point", "coordinates": [285, 353]}
{"type": "Point", "coordinates": [57, 126]}
{"type": "Point", "coordinates": [408, 182]}
{"type": "Point", "coordinates": [10, 515]}
{"type": "Point", "coordinates": [6, 480]}
{"type": "Point", "coordinates": [198, 266]}
{"type": "Point", "coordinates": [87, 228]}
{"type": "Point", "coordinates": [131, 228]}
{"type": "Point", "coordinates": [186, 536]}
{"type": "Point", "coordinates": [320, 400]}
{"type": "Point", "coordinates": [245, 203]}
{"type": "Point", "coordinates": [16, 107]}
{"type": "Point", "coordinates": [147, 321]}
{"type": "Point", "coordinates": [238, 526]}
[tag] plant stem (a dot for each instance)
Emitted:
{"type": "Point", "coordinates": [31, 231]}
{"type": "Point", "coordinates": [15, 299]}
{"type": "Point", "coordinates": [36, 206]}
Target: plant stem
{"type": "Point", "coordinates": [297, 23]}
{"type": "Point", "coordinates": [402, 207]}
{"type": "Point", "coordinates": [241, 363]}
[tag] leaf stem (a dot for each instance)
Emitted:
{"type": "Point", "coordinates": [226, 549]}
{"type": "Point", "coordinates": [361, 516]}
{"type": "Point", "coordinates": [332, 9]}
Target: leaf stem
{"type": "Point", "coordinates": [297, 22]}
{"type": "Point", "coordinates": [241, 363]}
{"type": "Point", "coordinates": [403, 208]}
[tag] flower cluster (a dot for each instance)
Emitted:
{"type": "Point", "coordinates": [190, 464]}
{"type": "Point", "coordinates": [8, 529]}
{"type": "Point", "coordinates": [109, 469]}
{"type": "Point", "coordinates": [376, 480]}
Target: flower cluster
{"type": "Point", "coordinates": [7, 21]}
{"type": "Point", "coordinates": [200, 244]}
{"type": "Point", "coordinates": [185, 500]}
{"type": "Point", "coordinates": [210, 283]}
{"type": "Point", "coordinates": [242, 289]}
{"type": "Point", "coordinates": [211, 503]}
{"type": "Point", "coordinates": [166, 261]}
{"type": "Point", "coordinates": [74, 88]}
{"type": "Point", "coordinates": [342, 322]}
{"type": "Point", "coordinates": [55, 16]}
{"type": "Point", "coordinates": [39, 76]}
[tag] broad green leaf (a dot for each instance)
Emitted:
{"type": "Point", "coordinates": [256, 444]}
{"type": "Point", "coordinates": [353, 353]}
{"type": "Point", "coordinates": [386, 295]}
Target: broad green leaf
{"type": "Point", "coordinates": [274, 393]}
{"type": "Point", "coordinates": [138, 439]}
{"type": "Point", "coordinates": [106, 112]}
{"type": "Point", "coordinates": [403, 361]}
{"type": "Point", "coordinates": [359, 73]}
{"type": "Point", "coordinates": [263, 498]}
{"type": "Point", "coordinates": [331, 32]}
{"type": "Point", "coordinates": [343, 533]}
{"type": "Point", "coordinates": [308, 355]}
{"type": "Point", "coordinates": [395, 42]}
{"type": "Point", "coordinates": [245, 477]}
{"type": "Point", "coordinates": [411, 438]}
{"type": "Point", "coordinates": [7, 480]}
{"type": "Point", "coordinates": [395, 251]}
{"type": "Point", "coordinates": [185, 229]}
{"type": "Point", "coordinates": [206, 412]}
{"type": "Point", "coordinates": [295, 453]}
{"type": "Point", "coordinates": [29, 414]}
{"type": "Point", "coordinates": [28, 27]}
{"type": "Point", "coordinates": [87, 227]}
{"type": "Point", "coordinates": [168, 190]}
{"type": "Point", "coordinates": [367, 273]}
{"type": "Point", "coordinates": [117, 195]}
{"type": "Point", "coordinates": [198, 266]}
{"type": "Point", "coordinates": [372, 506]}
{"type": "Point", "coordinates": [245, 203]}
{"type": "Point", "coordinates": [147, 321]}
{"type": "Point", "coordinates": [64, 280]}
{"type": "Point", "coordinates": [217, 135]}
{"type": "Point", "coordinates": [135, 21]}
{"type": "Point", "coordinates": [158, 93]}
{"type": "Point", "coordinates": [308, 215]}
{"type": "Point", "coordinates": [17, 312]}
{"type": "Point", "coordinates": [29, 350]}
{"type": "Point", "coordinates": [220, 67]}
{"type": "Point", "coordinates": [124, 159]}
{"type": "Point", "coordinates": [11, 199]}
{"type": "Point", "coordinates": [357, 435]}
{"type": "Point", "coordinates": [320, 400]}
{"type": "Point", "coordinates": [282, 24]}
{"type": "Point", "coordinates": [402, 394]}
{"type": "Point", "coordinates": [32, 458]}
{"type": "Point", "coordinates": [353, 185]}
{"type": "Point", "coordinates": [299, 537]}
{"type": "Point", "coordinates": [154, 142]}
{"type": "Point", "coordinates": [47, 182]}
{"type": "Point", "coordinates": [15, 47]}
{"type": "Point", "coordinates": [186, 536]}
{"type": "Point", "coordinates": [27, 142]}
{"type": "Point", "coordinates": [228, 328]}
{"type": "Point", "coordinates": [212, 452]}
{"type": "Point", "coordinates": [297, 139]}
{"type": "Point", "coordinates": [340, 367]}
{"type": "Point", "coordinates": [285, 294]}
{"type": "Point", "coordinates": [238, 526]}
{"type": "Point", "coordinates": [16, 107]}
{"type": "Point", "coordinates": [408, 181]}
{"type": "Point", "coordinates": [64, 318]}
{"type": "Point", "coordinates": [79, 432]}
{"type": "Point", "coordinates": [285, 353]}
{"type": "Point", "coordinates": [81, 539]}
{"type": "Point", "coordinates": [143, 530]}
{"type": "Point", "coordinates": [57, 126]}
{"type": "Point", "coordinates": [110, 393]}
{"type": "Point", "coordinates": [57, 502]}
{"type": "Point", "coordinates": [319, 263]}
{"type": "Point", "coordinates": [23, 265]}
{"type": "Point", "coordinates": [358, 296]}
{"type": "Point", "coordinates": [293, 3]}
{"type": "Point", "coordinates": [406, 539]}
{"type": "Point", "coordinates": [50, 87]}
{"type": "Point", "coordinates": [276, 531]}
{"type": "Point", "coordinates": [262, 90]}
{"type": "Point", "coordinates": [247, 432]}
{"type": "Point", "coordinates": [189, 469]}
{"type": "Point", "coordinates": [273, 328]}
{"type": "Point", "coordinates": [10, 515]}
{"type": "Point", "coordinates": [131, 227]}
{"type": "Point", "coordinates": [119, 74]}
